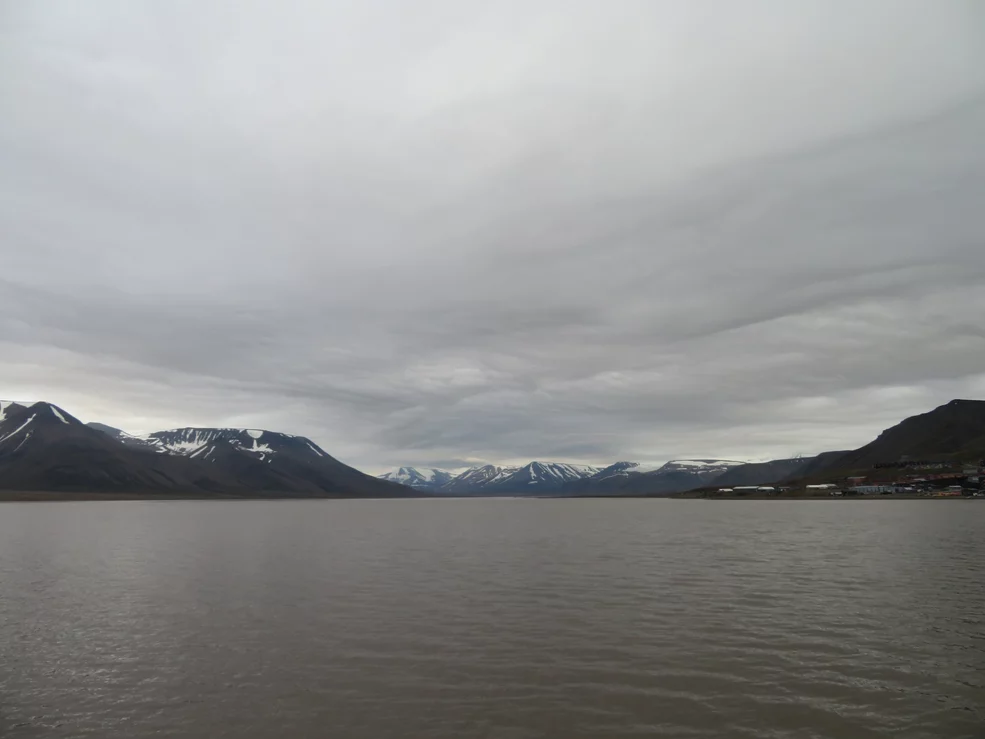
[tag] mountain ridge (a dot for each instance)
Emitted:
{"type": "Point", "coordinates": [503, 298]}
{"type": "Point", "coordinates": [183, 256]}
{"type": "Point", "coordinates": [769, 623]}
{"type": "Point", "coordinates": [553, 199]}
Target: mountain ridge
{"type": "Point", "coordinates": [421, 478]}
{"type": "Point", "coordinates": [43, 447]}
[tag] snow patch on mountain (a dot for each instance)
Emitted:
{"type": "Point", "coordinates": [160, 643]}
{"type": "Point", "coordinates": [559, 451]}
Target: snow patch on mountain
{"type": "Point", "coordinates": [625, 469]}
{"type": "Point", "coordinates": [19, 428]}
{"type": "Point", "coordinates": [705, 463]}
{"type": "Point", "coordinates": [58, 415]}
{"type": "Point", "coordinates": [645, 467]}
{"type": "Point", "coordinates": [262, 449]}
{"type": "Point", "coordinates": [419, 477]}
{"type": "Point", "coordinates": [535, 476]}
{"type": "Point", "coordinates": [184, 447]}
{"type": "Point", "coordinates": [203, 443]}
{"type": "Point", "coordinates": [24, 440]}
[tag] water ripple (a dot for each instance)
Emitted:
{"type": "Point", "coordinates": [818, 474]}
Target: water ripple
{"type": "Point", "coordinates": [493, 619]}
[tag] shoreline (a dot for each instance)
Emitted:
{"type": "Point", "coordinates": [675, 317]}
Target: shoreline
{"type": "Point", "coordinates": [38, 496]}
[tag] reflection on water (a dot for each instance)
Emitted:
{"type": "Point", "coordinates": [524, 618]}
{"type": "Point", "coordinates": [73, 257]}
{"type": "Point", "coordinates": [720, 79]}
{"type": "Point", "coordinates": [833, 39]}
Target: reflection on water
{"type": "Point", "coordinates": [501, 619]}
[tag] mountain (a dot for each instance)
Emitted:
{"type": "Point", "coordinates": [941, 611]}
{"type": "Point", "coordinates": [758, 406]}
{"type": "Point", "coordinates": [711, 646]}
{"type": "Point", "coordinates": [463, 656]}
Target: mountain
{"type": "Point", "coordinates": [203, 443]}
{"type": "Point", "coordinates": [112, 431]}
{"type": "Point", "coordinates": [677, 476]}
{"type": "Point", "coordinates": [609, 480]}
{"type": "Point", "coordinates": [954, 432]}
{"type": "Point", "coordinates": [420, 478]}
{"type": "Point", "coordinates": [541, 477]}
{"type": "Point", "coordinates": [42, 447]}
{"type": "Point", "coordinates": [474, 480]}
{"type": "Point", "coordinates": [762, 473]}
{"type": "Point", "coordinates": [265, 461]}
{"type": "Point", "coordinates": [45, 448]}
{"type": "Point", "coordinates": [558, 478]}
{"type": "Point", "coordinates": [536, 478]}
{"type": "Point", "coordinates": [817, 465]}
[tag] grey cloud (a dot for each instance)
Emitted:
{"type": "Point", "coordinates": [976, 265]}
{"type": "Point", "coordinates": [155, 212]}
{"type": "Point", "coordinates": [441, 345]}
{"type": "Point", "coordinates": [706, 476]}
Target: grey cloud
{"type": "Point", "coordinates": [473, 233]}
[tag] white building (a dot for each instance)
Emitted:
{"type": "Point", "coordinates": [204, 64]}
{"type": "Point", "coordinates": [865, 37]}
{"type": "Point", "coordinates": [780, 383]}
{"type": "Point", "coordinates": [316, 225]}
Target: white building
{"type": "Point", "coordinates": [872, 489]}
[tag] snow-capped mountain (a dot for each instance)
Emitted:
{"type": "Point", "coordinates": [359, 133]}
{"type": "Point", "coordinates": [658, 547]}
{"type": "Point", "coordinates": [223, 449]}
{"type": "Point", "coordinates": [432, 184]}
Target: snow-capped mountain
{"type": "Point", "coordinates": [635, 478]}
{"type": "Point", "coordinates": [265, 460]}
{"type": "Point", "coordinates": [474, 480]}
{"type": "Point", "coordinates": [678, 475]}
{"type": "Point", "coordinates": [203, 443]}
{"type": "Point", "coordinates": [544, 476]}
{"type": "Point", "coordinates": [421, 478]}
{"type": "Point", "coordinates": [44, 448]}
{"type": "Point", "coordinates": [625, 469]}
{"type": "Point", "coordinates": [21, 421]}
{"type": "Point", "coordinates": [535, 478]}
{"type": "Point", "coordinates": [610, 480]}
{"type": "Point", "coordinates": [704, 464]}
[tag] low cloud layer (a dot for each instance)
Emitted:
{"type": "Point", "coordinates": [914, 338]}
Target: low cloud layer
{"type": "Point", "coordinates": [474, 232]}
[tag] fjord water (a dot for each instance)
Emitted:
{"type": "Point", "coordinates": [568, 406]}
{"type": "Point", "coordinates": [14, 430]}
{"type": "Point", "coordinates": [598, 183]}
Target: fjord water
{"type": "Point", "coordinates": [501, 619]}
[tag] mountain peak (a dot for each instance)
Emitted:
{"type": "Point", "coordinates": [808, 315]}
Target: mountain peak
{"type": "Point", "coordinates": [426, 478]}
{"type": "Point", "coordinates": [43, 447]}
{"type": "Point", "coordinates": [41, 409]}
{"type": "Point", "coordinates": [967, 402]}
{"type": "Point", "coordinates": [535, 477]}
{"type": "Point", "coordinates": [6, 405]}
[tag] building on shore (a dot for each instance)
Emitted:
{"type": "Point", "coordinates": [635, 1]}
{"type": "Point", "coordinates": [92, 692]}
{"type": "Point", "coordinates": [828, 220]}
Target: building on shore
{"type": "Point", "coordinates": [871, 489]}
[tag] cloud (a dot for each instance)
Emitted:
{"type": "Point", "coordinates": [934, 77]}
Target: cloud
{"type": "Point", "coordinates": [576, 230]}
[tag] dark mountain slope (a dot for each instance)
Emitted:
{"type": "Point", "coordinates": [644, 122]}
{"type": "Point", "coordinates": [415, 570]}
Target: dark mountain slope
{"type": "Point", "coordinates": [44, 448]}
{"type": "Point", "coordinates": [678, 476]}
{"type": "Point", "coordinates": [273, 462]}
{"type": "Point", "coordinates": [115, 432]}
{"type": "Point", "coordinates": [953, 431]}
{"type": "Point", "coordinates": [611, 480]}
{"type": "Point", "coordinates": [762, 473]}
{"type": "Point", "coordinates": [817, 465]}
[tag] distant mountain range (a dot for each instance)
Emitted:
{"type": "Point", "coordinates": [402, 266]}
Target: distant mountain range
{"type": "Point", "coordinates": [425, 478]}
{"type": "Point", "coordinates": [558, 478]}
{"type": "Point", "coordinates": [45, 448]}
{"type": "Point", "coordinates": [536, 477]}
{"type": "Point", "coordinates": [953, 432]}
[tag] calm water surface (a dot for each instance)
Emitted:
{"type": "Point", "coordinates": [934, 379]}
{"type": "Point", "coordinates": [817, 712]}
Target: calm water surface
{"type": "Point", "coordinates": [501, 619]}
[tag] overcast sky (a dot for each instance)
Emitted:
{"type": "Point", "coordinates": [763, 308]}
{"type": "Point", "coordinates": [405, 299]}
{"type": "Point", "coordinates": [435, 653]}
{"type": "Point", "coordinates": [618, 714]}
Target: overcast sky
{"type": "Point", "coordinates": [446, 232]}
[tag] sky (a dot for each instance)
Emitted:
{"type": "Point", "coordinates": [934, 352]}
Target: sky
{"type": "Point", "coordinates": [452, 232]}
